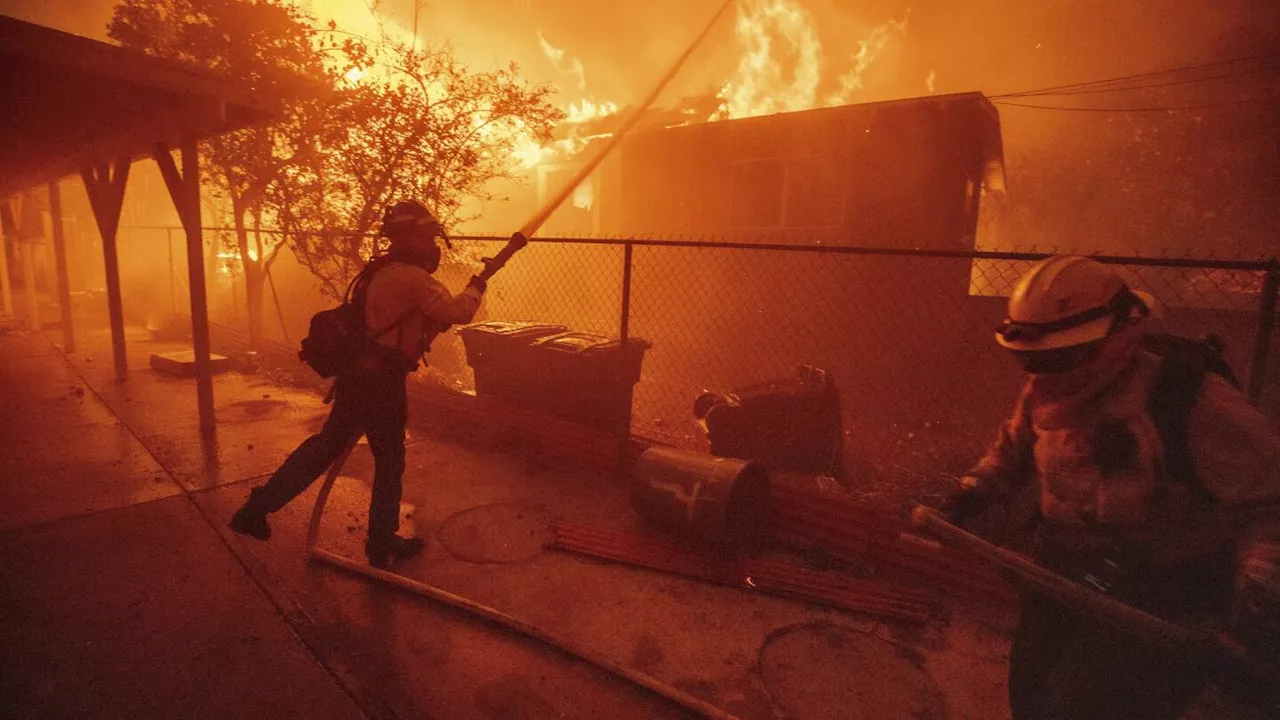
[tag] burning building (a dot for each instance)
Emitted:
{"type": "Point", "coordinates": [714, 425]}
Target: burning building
{"type": "Point", "coordinates": [897, 174]}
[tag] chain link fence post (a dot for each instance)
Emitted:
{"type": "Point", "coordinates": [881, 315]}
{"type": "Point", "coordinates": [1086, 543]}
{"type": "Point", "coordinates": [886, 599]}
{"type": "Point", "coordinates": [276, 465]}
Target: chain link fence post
{"type": "Point", "coordinates": [1266, 320]}
{"type": "Point", "coordinates": [624, 329]}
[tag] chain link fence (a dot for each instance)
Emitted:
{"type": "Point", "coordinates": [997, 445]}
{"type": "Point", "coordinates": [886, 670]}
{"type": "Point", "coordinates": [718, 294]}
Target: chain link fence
{"type": "Point", "coordinates": [905, 336]}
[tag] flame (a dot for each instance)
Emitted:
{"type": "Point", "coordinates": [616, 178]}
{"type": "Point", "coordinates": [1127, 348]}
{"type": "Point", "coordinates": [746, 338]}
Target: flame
{"type": "Point", "coordinates": [928, 82]}
{"type": "Point", "coordinates": [585, 110]}
{"type": "Point", "coordinates": [851, 81]}
{"type": "Point", "coordinates": [780, 68]}
{"type": "Point", "coordinates": [556, 56]}
{"type": "Point", "coordinates": [768, 29]}
{"type": "Point", "coordinates": [354, 75]}
{"type": "Point", "coordinates": [528, 152]}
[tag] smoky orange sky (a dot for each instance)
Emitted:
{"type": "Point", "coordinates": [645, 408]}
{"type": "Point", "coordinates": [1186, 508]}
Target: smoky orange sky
{"type": "Point", "coordinates": [988, 45]}
{"type": "Point", "coordinates": [993, 46]}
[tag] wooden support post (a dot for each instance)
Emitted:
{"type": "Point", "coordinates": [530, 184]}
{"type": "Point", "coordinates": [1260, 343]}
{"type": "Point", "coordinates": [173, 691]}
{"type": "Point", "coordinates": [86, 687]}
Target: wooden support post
{"type": "Point", "coordinates": [105, 186]}
{"type": "Point", "coordinates": [60, 259]}
{"type": "Point", "coordinates": [6, 292]}
{"type": "Point", "coordinates": [173, 280]}
{"type": "Point", "coordinates": [29, 280]}
{"type": "Point", "coordinates": [184, 187]}
{"type": "Point", "coordinates": [22, 250]}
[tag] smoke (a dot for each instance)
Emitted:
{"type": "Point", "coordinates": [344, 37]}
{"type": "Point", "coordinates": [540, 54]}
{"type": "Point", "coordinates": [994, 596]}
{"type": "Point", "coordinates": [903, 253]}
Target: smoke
{"type": "Point", "coordinates": [987, 45]}
{"type": "Point", "coordinates": [613, 52]}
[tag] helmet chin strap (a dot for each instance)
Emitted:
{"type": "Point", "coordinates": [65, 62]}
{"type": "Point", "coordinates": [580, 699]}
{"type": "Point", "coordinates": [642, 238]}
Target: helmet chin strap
{"type": "Point", "coordinates": [1125, 303]}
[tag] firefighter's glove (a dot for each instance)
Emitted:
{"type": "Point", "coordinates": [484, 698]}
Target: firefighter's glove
{"type": "Point", "coordinates": [965, 504]}
{"type": "Point", "coordinates": [478, 283]}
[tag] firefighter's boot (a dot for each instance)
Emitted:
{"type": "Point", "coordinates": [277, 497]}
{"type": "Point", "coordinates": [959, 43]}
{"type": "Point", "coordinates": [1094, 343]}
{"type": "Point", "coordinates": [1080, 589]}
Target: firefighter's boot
{"type": "Point", "coordinates": [382, 552]}
{"type": "Point", "coordinates": [251, 518]}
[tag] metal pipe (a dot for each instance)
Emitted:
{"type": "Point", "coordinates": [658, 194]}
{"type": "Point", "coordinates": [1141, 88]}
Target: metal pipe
{"type": "Point", "coordinates": [1266, 321]}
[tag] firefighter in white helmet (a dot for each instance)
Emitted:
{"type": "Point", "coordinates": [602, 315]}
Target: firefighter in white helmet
{"type": "Point", "coordinates": [1155, 481]}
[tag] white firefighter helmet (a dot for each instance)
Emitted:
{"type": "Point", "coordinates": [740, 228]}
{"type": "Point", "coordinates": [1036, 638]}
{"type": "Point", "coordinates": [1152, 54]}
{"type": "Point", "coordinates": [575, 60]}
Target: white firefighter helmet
{"type": "Point", "coordinates": [1068, 300]}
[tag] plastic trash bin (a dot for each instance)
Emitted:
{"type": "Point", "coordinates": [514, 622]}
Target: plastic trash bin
{"type": "Point", "coordinates": [586, 378]}
{"type": "Point", "coordinates": [498, 352]}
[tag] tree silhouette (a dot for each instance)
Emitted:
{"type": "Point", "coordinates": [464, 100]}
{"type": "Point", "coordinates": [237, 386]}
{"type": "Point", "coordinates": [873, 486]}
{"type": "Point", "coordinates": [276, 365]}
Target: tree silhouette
{"type": "Point", "coordinates": [415, 124]}
{"type": "Point", "coordinates": [270, 48]}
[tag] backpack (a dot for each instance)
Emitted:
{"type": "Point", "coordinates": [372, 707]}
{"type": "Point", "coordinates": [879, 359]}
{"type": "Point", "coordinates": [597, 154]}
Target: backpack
{"type": "Point", "coordinates": [1186, 360]}
{"type": "Point", "coordinates": [333, 339]}
{"type": "Point", "coordinates": [335, 336]}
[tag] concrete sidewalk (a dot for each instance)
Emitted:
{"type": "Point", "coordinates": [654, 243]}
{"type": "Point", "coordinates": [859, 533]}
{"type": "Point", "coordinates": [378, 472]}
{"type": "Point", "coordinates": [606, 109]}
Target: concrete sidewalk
{"type": "Point", "coordinates": [120, 599]}
{"type": "Point", "coordinates": [125, 595]}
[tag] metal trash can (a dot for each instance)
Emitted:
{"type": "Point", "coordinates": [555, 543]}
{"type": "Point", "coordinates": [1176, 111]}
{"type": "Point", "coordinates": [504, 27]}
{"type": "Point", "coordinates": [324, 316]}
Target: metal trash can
{"type": "Point", "coordinates": [792, 424]}
{"type": "Point", "coordinates": [718, 500]}
{"type": "Point", "coordinates": [498, 352]}
{"type": "Point", "coordinates": [586, 378]}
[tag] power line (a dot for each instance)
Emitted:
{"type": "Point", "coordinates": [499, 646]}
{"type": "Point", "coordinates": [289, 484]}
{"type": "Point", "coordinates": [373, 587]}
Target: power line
{"type": "Point", "coordinates": [1171, 108]}
{"type": "Point", "coordinates": [1137, 76]}
{"type": "Point", "coordinates": [1127, 88]}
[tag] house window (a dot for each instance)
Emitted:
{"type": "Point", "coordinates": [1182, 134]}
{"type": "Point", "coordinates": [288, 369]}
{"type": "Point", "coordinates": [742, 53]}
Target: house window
{"type": "Point", "coordinates": [805, 191]}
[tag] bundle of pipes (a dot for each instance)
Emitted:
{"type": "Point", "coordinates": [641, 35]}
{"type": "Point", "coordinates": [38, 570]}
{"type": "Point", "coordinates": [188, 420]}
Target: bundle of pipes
{"type": "Point", "coordinates": [831, 588]}
{"type": "Point", "coordinates": [853, 532]}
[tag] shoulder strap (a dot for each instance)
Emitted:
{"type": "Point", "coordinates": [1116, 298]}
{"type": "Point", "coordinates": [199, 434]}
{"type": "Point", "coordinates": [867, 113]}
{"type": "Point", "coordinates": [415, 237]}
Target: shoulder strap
{"type": "Point", "coordinates": [1169, 405]}
{"type": "Point", "coordinates": [397, 323]}
{"type": "Point", "coordinates": [358, 292]}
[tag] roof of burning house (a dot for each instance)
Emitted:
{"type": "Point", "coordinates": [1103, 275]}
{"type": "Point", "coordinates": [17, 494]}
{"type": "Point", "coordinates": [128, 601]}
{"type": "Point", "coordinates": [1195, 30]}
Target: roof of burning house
{"type": "Point", "coordinates": [967, 117]}
{"type": "Point", "coordinates": [899, 173]}
{"type": "Point", "coordinates": [69, 101]}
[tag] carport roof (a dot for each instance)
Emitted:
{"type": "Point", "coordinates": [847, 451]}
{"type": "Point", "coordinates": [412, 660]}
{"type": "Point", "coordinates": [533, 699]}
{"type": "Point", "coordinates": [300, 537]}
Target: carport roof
{"type": "Point", "coordinates": [67, 101]}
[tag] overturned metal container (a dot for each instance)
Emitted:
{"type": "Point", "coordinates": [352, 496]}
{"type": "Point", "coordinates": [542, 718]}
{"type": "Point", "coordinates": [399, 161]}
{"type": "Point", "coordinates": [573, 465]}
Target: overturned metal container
{"type": "Point", "coordinates": [718, 500]}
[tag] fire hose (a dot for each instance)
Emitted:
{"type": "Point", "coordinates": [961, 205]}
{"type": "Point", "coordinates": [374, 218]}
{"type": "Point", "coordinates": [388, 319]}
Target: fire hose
{"type": "Point", "coordinates": [491, 266]}
{"type": "Point", "coordinates": [1221, 649]}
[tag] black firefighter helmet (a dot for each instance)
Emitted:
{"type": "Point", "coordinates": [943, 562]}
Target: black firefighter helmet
{"type": "Point", "coordinates": [400, 219]}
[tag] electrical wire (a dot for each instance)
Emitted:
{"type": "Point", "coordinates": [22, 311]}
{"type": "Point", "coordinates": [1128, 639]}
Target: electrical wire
{"type": "Point", "coordinates": [1100, 85]}
{"type": "Point", "coordinates": [1171, 83]}
{"type": "Point", "coordinates": [1168, 109]}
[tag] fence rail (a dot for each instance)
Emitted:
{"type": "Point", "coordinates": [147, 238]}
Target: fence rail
{"type": "Point", "coordinates": [906, 334]}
